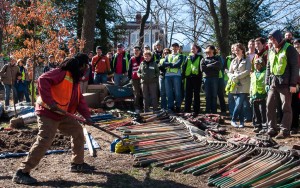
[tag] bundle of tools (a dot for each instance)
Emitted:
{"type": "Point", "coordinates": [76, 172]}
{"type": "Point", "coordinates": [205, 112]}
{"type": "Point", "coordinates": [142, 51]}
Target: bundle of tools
{"type": "Point", "coordinates": [209, 122]}
{"type": "Point", "coordinates": [167, 144]}
{"type": "Point", "coordinates": [148, 116]}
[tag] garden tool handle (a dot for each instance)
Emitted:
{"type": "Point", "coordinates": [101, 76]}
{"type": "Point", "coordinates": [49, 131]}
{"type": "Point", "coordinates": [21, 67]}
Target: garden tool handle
{"type": "Point", "coordinates": [97, 127]}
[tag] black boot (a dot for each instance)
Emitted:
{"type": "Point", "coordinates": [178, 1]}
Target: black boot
{"type": "Point", "coordinates": [23, 178]}
{"type": "Point", "coordinates": [84, 167]}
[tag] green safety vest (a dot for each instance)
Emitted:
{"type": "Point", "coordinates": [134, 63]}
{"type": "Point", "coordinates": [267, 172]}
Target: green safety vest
{"type": "Point", "coordinates": [161, 61]}
{"type": "Point", "coordinates": [230, 86]}
{"type": "Point", "coordinates": [258, 83]}
{"type": "Point", "coordinates": [127, 61]}
{"type": "Point", "coordinates": [192, 68]}
{"type": "Point", "coordinates": [173, 60]}
{"type": "Point", "coordinates": [278, 61]}
{"type": "Point", "coordinates": [228, 62]}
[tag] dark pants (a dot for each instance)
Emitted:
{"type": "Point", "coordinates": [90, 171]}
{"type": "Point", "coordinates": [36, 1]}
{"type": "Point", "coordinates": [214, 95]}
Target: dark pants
{"type": "Point", "coordinates": [296, 110]}
{"type": "Point", "coordinates": [283, 94]}
{"type": "Point", "coordinates": [192, 90]}
{"type": "Point", "coordinates": [150, 95]}
{"type": "Point", "coordinates": [20, 96]}
{"type": "Point", "coordinates": [26, 92]}
{"type": "Point", "coordinates": [259, 113]}
{"type": "Point", "coordinates": [137, 90]}
{"type": "Point", "coordinates": [221, 90]}
{"type": "Point", "coordinates": [7, 89]}
{"type": "Point", "coordinates": [211, 92]}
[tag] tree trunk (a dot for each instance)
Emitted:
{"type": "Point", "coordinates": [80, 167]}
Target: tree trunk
{"type": "Point", "coordinates": [88, 25]}
{"type": "Point", "coordinates": [224, 43]}
{"type": "Point", "coordinates": [221, 29]}
{"type": "Point", "coordinates": [143, 22]}
{"type": "Point", "coordinates": [80, 6]}
{"type": "Point", "coordinates": [1, 39]}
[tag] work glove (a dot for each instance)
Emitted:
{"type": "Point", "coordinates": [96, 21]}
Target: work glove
{"type": "Point", "coordinates": [89, 121]}
{"type": "Point", "coordinates": [56, 109]}
{"type": "Point", "coordinates": [267, 88]}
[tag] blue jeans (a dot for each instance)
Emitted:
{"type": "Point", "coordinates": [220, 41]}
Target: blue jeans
{"type": "Point", "coordinates": [173, 88]}
{"type": "Point", "coordinates": [100, 78]}
{"type": "Point", "coordinates": [211, 93]}
{"type": "Point", "coordinates": [118, 78]}
{"type": "Point", "coordinates": [247, 109]}
{"type": "Point", "coordinates": [7, 89]}
{"type": "Point", "coordinates": [238, 111]}
{"type": "Point", "coordinates": [231, 103]}
{"type": "Point", "coordinates": [163, 95]}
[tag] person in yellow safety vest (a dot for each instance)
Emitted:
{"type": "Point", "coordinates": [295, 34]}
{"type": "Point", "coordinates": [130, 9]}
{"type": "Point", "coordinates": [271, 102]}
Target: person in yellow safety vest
{"type": "Point", "coordinates": [261, 52]}
{"type": "Point", "coordinates": [25, 78]}
{"type": "Point", "coordinates": [172, 64]}
{"type": "Point", "coordinates": [191, 71]}
{"type": "Point", "coordinates": [281, 80]}
{"type": "Point", "coordinates": [120, 64]}
{"type": "Point", "coordinates": [258, 95]}
{"type": "Point", "coordinates": [162, 87]}
{"type": "Point", "coordinates": [158, 52]}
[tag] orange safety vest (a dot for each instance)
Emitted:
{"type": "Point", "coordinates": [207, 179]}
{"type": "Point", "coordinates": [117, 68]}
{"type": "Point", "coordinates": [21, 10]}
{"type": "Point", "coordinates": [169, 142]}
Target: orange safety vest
{"type": "Point", "coordinates": [62, 93]}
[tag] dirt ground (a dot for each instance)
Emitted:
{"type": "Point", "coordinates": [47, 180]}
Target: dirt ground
{"type": "Point", "coordinates": [112, 170]}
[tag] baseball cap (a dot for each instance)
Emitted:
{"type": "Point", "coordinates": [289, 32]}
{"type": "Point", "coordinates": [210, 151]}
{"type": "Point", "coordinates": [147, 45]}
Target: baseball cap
{"type": "Point", "coordinates": [120, 45]}
{"type": "Point", "coordinates": [99, 47]}
{"type": "Point", "coordinates": [175, 44]}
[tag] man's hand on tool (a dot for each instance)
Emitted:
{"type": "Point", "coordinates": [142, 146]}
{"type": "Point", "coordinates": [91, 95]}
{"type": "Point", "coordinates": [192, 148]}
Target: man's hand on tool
{"type": "Point", "coordinates": [56, 109]}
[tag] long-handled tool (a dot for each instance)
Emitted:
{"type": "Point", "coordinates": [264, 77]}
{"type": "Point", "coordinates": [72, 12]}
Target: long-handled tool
{"type": "Point", "coordinates": [97, 127]}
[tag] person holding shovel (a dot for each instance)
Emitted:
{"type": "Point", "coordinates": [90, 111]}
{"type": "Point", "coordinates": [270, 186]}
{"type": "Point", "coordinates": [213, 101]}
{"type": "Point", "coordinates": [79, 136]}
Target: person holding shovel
{"type": "Point", "coordinates": [59, 93]}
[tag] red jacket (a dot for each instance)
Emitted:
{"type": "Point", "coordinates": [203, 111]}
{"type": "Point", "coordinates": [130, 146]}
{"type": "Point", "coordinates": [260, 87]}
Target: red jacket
{"type": "Point", "coordinates": [45, 82]}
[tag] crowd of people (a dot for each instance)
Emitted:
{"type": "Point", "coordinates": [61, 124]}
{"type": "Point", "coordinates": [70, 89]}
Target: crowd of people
{"type": "Point", "coordinates": [261, 83]}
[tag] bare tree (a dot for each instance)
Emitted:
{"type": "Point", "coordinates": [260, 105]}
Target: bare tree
{"type": "Point", "coordinates": [143, 22]}
{"type": "Point", "coordinates": [88, 26]}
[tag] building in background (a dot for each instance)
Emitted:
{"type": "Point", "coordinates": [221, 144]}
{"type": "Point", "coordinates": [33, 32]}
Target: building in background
{"type": "Point", "coordinates": [132, 30]}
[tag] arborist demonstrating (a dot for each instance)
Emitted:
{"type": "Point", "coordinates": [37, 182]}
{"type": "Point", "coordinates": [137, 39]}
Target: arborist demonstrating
{"type": "Point", "coordinates": [59, 93]}
{"type": "Point", "coordinates": [281, 79]}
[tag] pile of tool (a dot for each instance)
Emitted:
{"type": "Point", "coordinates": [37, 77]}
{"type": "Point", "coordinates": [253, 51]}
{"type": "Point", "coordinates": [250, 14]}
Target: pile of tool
{"type": "Point", "coordinates": [176, 145]}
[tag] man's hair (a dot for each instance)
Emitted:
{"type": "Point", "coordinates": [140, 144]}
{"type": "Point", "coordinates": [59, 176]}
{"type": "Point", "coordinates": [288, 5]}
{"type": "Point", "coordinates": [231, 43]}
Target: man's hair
{"type": "Point", "coordinates": [251, 40]}
{"type": "Point", "coordinates": [74, 64]}
{"type": "Point", "coordinates": [147, 52]}
{"type": "Point", "coordinates": [212, 47]}
{"type": "Point", "coordinates": [260, 39]}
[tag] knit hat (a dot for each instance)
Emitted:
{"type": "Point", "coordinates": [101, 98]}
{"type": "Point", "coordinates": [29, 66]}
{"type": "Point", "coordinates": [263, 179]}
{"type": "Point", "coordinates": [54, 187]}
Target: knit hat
{"type": "Point", "coordinates": [276, 34]}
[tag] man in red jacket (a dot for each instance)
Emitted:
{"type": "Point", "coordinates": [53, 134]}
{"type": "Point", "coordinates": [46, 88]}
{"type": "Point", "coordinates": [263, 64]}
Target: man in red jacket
{"type": "Point", "coordinates": [59, 92]}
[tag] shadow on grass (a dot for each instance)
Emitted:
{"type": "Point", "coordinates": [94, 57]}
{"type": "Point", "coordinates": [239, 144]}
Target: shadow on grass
{"type": "Point", "coordinates": [115, 180]}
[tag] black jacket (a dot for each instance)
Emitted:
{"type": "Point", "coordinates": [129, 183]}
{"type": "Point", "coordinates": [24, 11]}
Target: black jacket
{"type": "Point", "coordinates": [210, 66]}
